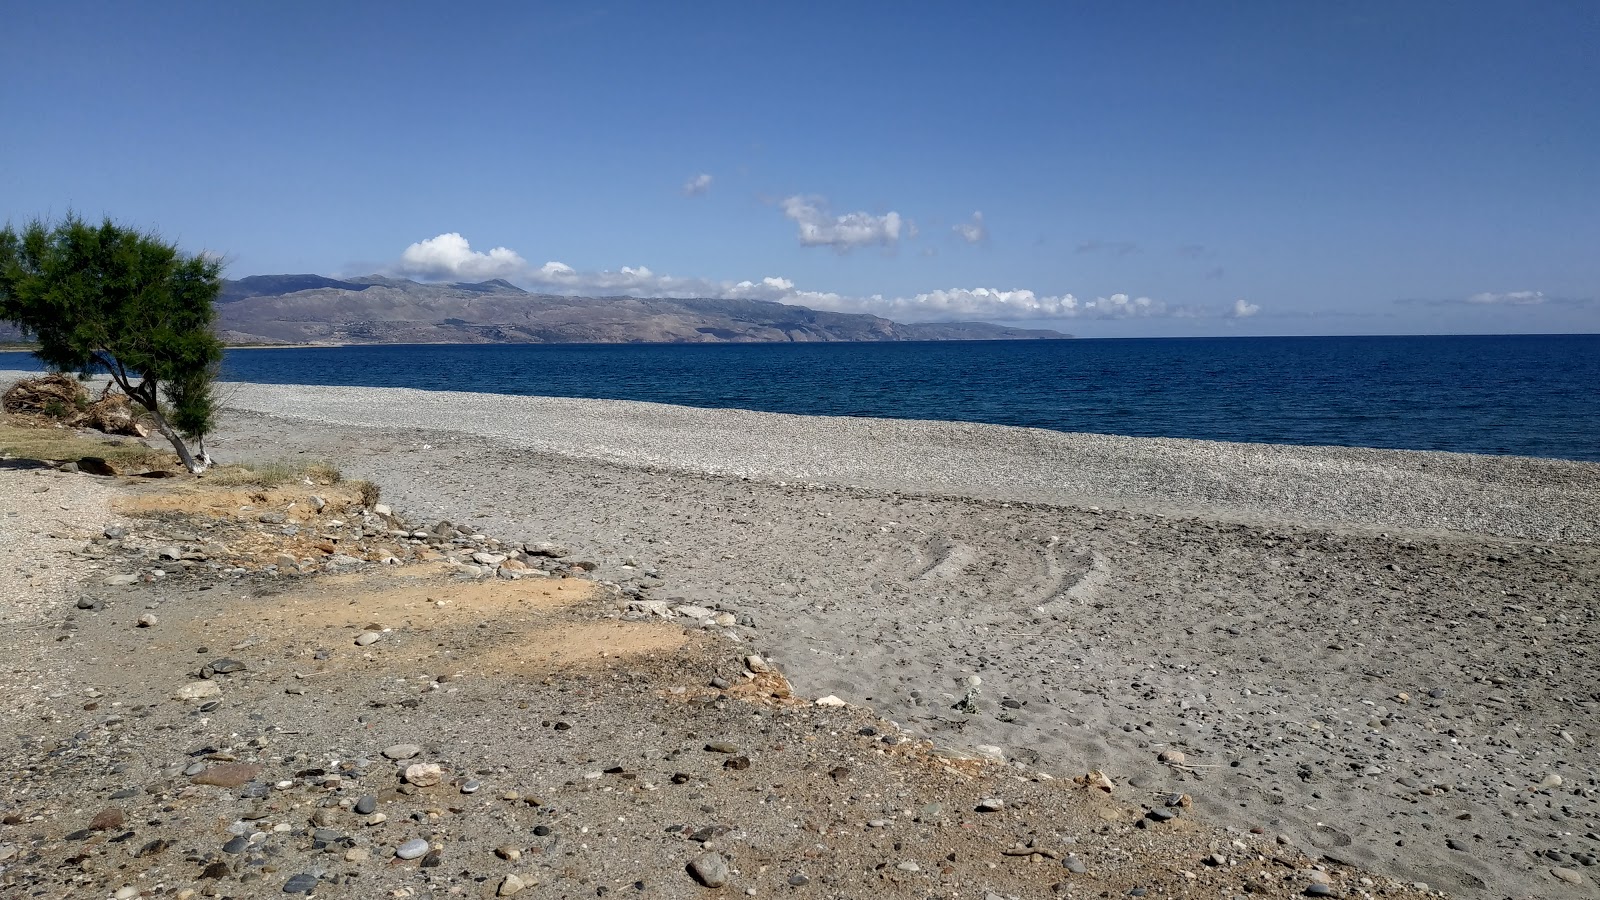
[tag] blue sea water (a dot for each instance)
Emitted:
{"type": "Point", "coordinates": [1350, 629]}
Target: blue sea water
{"type": "Point", "coordinates": [1528, 395]}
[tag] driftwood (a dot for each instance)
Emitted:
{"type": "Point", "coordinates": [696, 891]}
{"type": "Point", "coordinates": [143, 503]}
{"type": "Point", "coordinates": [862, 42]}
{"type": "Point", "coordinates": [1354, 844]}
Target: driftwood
{"type": "Point", "coordinates": [64, 398]}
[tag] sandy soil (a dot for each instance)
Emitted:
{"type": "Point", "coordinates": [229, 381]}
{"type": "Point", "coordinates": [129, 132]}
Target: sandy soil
{"type": "Point", "coordinates": [1386, 657]}
{"type": "Point", "coordinates": [204, 703]}
{"type": "Point", "coordinates": [1376, 658]}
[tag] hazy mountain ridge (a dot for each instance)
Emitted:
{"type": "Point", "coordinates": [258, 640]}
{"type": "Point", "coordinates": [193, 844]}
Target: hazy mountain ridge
{"type": "Point", "coordinates": [379, 310]}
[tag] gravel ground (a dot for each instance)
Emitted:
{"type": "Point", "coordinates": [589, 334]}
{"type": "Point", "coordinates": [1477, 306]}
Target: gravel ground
{"type": "Point", "coordinates": [1336, 638]}
{"type": "Point", "coordinates": [1503, 496]}
{"type": "Point", "coordinates": [1384, 657]}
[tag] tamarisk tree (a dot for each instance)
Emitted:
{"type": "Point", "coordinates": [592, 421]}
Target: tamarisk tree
{"type": "Point", "coordinates": [123, 301]}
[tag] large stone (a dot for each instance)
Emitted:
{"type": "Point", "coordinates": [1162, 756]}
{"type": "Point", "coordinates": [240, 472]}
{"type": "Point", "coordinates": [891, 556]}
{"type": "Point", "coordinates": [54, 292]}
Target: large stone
{"type": "Point", "coordinates": [710, 869]}
{"type": "Point", "coordinates": [228, 775]}
{"type": "Point", "coordinates": [198, 690]}
{"type": "Point", "coordinates": [424, 774]}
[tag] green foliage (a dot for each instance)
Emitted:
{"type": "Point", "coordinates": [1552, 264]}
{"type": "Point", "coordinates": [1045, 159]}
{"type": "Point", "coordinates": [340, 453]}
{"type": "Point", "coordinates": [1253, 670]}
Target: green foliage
{"type": "Point", "coordinates": [122, 300]}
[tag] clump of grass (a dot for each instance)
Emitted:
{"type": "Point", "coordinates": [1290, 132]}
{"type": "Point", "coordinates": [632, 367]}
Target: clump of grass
{"type": "Point", "coordinates": [369, 492]}
{"type": "Point", "coordinates": [55, 445]}
{"type": "Point", "coordinates": [273, 473]}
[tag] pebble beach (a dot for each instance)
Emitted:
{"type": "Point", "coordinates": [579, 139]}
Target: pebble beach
{"type": "Point", "coordinates": [1375, 662]}
{"type": "Point", "coordinates": [1386, 657]}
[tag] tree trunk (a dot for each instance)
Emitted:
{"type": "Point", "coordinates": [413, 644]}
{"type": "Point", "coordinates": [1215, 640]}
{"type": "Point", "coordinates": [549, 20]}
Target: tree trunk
{"type": "Point", "coordinates": [194, 466]}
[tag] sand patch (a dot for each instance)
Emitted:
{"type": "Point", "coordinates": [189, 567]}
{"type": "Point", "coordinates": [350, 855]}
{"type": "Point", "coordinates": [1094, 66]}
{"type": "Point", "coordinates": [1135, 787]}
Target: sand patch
{"type": "Point", "coordinates": [578, 645]}
{"type": "Point", "coordinates": [199, 498]}
{"type": "Point", "coordinates": [428, 621]}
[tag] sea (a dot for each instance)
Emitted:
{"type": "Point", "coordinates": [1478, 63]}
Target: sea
{"type": "Point", "coordinates": [1525, 395]}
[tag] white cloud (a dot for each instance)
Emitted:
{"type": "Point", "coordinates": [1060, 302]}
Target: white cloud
{"type": "Point", "coordinates": [697, 185]}
{"type": "Point", "coordinates": [818, 227]}
{"type": "Point", "coordinates": [974, 231]}
{"type": "Point", "coordinates": [987, 303]}
{"type": "Point", "coordinates": [1244, 310]}
{"type": "Point", "coordinates": [1507, 298]}
{"type": "Point", "coordinates": [449, 256]}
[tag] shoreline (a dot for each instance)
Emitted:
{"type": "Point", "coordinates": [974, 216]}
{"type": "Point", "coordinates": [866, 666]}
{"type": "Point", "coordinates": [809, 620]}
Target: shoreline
{"type": "Point", "coordinates": [1333, 638]}
{"type": "Point", "coordinates": [1384, 657]}
{"type": "Point", "coordinates": [1420, 491]}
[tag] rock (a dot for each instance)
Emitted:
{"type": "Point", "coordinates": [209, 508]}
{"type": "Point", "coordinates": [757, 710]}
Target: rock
{"type": "Point", "coordinates": [286, 563]}
{"type": "Point", "coordinates": [930, 813]}
{"type": "Point", "coordinates": [411, 849]}
{"type": "Point", "coordinates": [147, 621]}
{"type": "Point", "coordinates": [830, 700]}
{"type": "Point", "coordinates": [908, 866]}
{"type": "Point", "coordinates": [491, 560]}
{"type": "Point", "coordinates": [508, 853]}
{"type": "Point", "coordinates": [1172, 757]}
{"type": "Point", "coordinates": [553, 551]}
{"type": "Point", "coordinates": [366, 804]}
{"type": "Point", "coordinates": [114, 532]}
{"type": "Point", "coordinates": [710, 869]}
{"type": "Point", "coordinates": [169, 552]}
{"type": "Point", "coordinates": [1551, 781]}
{"type": "Point", "coordinates": [756, 664]}
{"type": "Point", "coordinates": [401, 751]}
{"type": "Point", "coordinates": [357, 854]}
{"type": "Point", "coordinates": [722, 747]}
{"type": "Point", "coordinates": [991, 804]}
{"type": "Point", "coordinates": [228, 775]}
{"type": "Point", "coordinates": [509, 885]}
{"type": "Point", "coordinates": [1075, 865]}
{"type": "Point", "coordinates": [198, 690]}
{"type": "Point", "coordinates": [302, 883]}
{"type": "Point", "coordinates": [1570, 876]}
{"type": "Point", "coordinates": [107, 819]}
{"type": "Point", "coordinates": [368, 638]}
{"type": "Point", "coordinates": [121, 580]}
{"type": "Point", "coordinates": [126, 892]}
{"type": "Point", "coordinates": [94, 465]}
{"type": "Point", "coordinates": [225, 666]}
{"type": "Point", "coordinates": [651, 607]}
{"type": "Point", "coordinates": [1318, 890]}
{"type": "Point", "coordinates": [89, 603]}
{"type": "Point", "coordinates": [700, 612]}
{"type": "Point", "coordinates": [424, 774]}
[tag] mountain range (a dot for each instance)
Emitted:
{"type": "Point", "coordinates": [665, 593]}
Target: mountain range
{"type": "Point", "coordinates": [297, 309]}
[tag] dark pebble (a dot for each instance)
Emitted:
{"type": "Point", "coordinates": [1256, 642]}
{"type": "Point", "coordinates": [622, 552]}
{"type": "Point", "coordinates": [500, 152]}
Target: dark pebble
{"type": "Point", "coordinates": [216, 870]}
{"type": "Point", "coordinates": [236, 844]}
{"type": "Point", "coordinates": [300, 884]}
{"type": "Point", "coordinates": [366, 805]}
{"type": "Point", "coordinates": [541, 830]}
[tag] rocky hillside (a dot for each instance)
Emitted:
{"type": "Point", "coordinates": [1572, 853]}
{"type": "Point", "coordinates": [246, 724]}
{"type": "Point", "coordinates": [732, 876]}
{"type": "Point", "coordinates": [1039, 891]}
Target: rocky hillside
{"type": "Point", "coordinates": [378, 310]}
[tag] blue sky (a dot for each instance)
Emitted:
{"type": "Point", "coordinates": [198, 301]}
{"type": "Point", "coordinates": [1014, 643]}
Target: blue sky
{"type": "Point", "coordinates": [1108, 169]}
